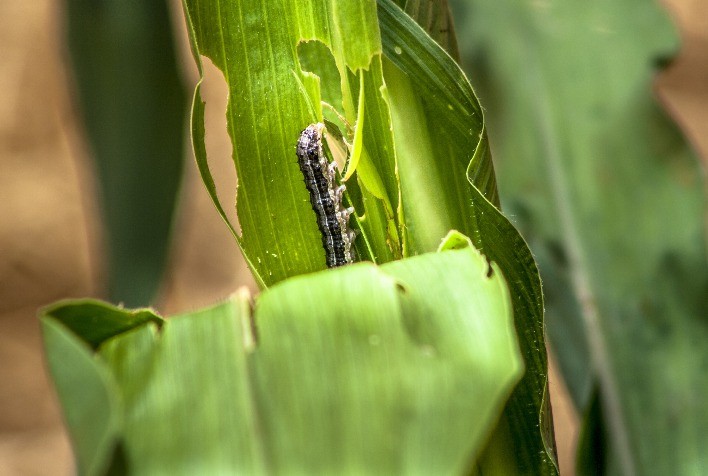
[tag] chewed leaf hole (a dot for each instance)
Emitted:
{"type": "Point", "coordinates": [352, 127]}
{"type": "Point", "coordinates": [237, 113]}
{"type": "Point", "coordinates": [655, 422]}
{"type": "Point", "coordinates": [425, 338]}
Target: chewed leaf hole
{"type": "Point", "coordinates": [316, 58]}
{"type": "Point", "coordinates": [215, 94]}
{"type": "Point", "coordinates": [490, 268]}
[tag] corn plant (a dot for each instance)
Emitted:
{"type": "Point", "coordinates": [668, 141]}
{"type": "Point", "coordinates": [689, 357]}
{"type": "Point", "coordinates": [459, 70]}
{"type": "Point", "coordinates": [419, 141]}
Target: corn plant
{"type": "Point", "coordinates": [425, 355]}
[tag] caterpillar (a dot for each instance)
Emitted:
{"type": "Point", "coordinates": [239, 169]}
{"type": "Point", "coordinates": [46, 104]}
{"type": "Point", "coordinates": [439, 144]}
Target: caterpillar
{"type": "Point", "coordinates": [325, 197]}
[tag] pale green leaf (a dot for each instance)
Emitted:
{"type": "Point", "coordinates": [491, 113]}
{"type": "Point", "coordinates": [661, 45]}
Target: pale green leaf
{"type": "Point", "coordinates": [402, 369]}
{"type": "Point", "coordinates": [358, 142]}
{"type": "Point", "coordinates": [88, 395]}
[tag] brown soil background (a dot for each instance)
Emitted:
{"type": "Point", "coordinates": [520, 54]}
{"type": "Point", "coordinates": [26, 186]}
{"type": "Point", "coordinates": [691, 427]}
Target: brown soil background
{"type": "Point", "coordinates": [50, 229]}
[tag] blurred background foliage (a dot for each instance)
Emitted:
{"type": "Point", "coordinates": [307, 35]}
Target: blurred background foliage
{"type": "Point", "coordinates": [610, 196]}
{"type": "Point", "coordinates": [592, 171]}
{"type": "Point", "coordinates": [133, 105]}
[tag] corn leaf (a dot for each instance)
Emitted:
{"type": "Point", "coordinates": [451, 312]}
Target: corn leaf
{"type": "Point", "coordinates": [611, 198]}
{"type": "Point", "coordinates": [255, 45]}
{"type": "Point", "coordinates": [398, 369]}
{"type": "Point", "coordinates": [134, 107]}
{"type": "Point", "coordinates": [424, 141]}
{"type": "Point", "coordinates": [88, 394]}
{"type": "Point", "coordinates": [447, 182]}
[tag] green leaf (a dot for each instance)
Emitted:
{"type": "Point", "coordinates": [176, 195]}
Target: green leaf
{"type": "Point", "coordinates": [255, 44]}
{"type": "Point", "coordinates": [447, 182]}
{"type": "Point", "coordinates": [435, 18]}
{"type": "Point", "coordinates": [358, 142]}
{"type": "Point", "coordinates": [407, 368]}
{"type": "Point", "coordinates": [592, 442]}
{"type": "Point", "coordinates": [398, 369]}
{"type": "Point", "coordinates": [439, 127]}
{"type": "Point", "coordinates": [88, 396]}
{"type": "Point", "coordinates": [95, 321]}
{"type": "Point", "coordinates": [438, 152]}
{"type": "Point", "coordinates": [134, 107]}
{"type": "Point", "coordinates": [188, 403]}
{"type": "Point", "coordinates": [611, 199]}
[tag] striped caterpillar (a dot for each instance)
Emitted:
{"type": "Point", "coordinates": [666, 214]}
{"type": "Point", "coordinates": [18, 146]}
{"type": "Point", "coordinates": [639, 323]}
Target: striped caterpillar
{"type": "Point", "coordinates": [325, 197]}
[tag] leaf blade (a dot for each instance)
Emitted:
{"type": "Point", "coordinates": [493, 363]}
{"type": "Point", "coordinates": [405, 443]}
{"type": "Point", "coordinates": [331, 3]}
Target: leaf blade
{"type": "Point", "coordinates": [88, 396]}
{"type": "Point", "coordinates": [372, 376]}
{"type": "Point", "coordinates": [134, 106]}
{"type": "Point", "coordinates": [267, 111]}
{"type": "Point", "coordinates": [465, 184]}
{"type": "Point", "coordinates": [611, 199]}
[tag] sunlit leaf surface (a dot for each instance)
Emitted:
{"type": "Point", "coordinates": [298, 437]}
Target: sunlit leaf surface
{"type": "Point", "coordinates": [447, 181]}
{"type": "Point", "coordinates": [255, 45]}
{"type": "Point", "coordinates": [424, 167]}
{"type": "Point", "coordinates": [393, 370]}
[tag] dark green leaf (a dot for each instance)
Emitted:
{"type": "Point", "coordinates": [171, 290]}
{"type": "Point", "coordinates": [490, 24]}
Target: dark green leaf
{"type": "Point", "coordinates": [134, 107]}
{"type": "Point", "coordinates": [592, 442]}
{"type": "Point", "coordinates": [95, 321]}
